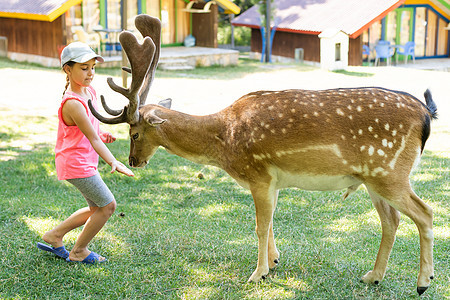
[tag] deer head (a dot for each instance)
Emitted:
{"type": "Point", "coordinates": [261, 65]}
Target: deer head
{"type": "Point", "coordinates": [143, 58]}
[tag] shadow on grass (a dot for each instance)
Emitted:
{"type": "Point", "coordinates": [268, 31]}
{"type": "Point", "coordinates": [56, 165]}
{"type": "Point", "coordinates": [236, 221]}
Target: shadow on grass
{"type": "Point", "coordinates": [183, 237]}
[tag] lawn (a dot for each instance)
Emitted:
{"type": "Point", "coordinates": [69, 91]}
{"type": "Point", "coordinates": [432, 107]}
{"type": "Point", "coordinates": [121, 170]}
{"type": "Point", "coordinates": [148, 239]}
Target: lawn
{"type": "Point", "coordinates": [176, 236]}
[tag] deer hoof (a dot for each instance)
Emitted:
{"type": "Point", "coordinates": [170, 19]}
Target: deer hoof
{"type": "Point", "coordinates": [257, 276]}
{"type": "Point", "coordinates": [421, 289]}
{"type": "Point", "coordinates": [371, 278]}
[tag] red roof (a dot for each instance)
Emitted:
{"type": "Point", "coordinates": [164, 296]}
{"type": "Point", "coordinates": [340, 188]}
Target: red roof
{"type": "Point", "coordinates": [314, 16]}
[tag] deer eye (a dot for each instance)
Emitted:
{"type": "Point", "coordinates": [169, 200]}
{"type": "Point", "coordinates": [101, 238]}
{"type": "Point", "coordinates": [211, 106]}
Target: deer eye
{"type": "Point", "coordinates": [135, 136]}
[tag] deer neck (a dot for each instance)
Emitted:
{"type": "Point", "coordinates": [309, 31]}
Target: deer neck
{"type": "Point", "coordinates": [192, 137]}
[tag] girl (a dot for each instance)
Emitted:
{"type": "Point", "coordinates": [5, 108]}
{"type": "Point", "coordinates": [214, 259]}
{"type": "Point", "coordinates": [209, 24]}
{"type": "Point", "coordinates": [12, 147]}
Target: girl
{"type": "Point", "coordinates": [79, 143]}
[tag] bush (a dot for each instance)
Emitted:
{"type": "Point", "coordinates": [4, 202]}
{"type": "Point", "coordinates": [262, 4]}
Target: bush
{"type": "Point", "coordinates": [242, 35]}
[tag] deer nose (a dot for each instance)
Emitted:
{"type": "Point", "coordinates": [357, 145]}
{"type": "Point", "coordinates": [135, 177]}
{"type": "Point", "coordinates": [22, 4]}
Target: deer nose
{"type": "Point", "coordinates": [132, 161]}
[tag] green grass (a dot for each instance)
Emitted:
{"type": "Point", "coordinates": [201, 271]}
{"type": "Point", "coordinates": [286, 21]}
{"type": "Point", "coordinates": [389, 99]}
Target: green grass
{"type": "Point", "coordinates": [182, 237]}
{"type": "Point", "coordinates": [244, 67]}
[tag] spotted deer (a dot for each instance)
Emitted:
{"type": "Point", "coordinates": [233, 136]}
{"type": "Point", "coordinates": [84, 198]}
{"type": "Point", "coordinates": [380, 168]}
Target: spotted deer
{"type": "Point", "coordinates": [269, 140]}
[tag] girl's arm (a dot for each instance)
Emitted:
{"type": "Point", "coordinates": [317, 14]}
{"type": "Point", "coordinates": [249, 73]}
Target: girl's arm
{"type": "Point", "coordinates": [74, 113]}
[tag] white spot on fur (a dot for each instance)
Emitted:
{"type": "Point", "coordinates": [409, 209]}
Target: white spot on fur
{"type": "Point", "coordinates": [380, 152]}
{"type": "Point", "coordinates": [384, 142]}
{"type": "Point", "coordinates": [399, 151]}
{"type": "Point", "coordinates": [257, 157]}
{"type": "Point", "coordinates": [270, 107]}
{"type": "Point", "coordinates": [293, 110]}
{"type": "Point", "coordinates": [371, 150]}
{"type": "Point", "coordinates": [394, 132]}
{"type": "Point", "coordinates": [378, 170]}
{"type": "Point", "coordinates": [360, 132]}
{"type": "Point", "coordinates": [339, 112]}
{"type": "Point", "coordinates": [362, 148]}
{"type": "Point", "coordinates": [386, 126]}
{"type": "Point", "coordinates": [357, 169]}
{"type": "Point", "coordinates": [359, 108]}
{"type": "Point", "coordinates": [370, 128]}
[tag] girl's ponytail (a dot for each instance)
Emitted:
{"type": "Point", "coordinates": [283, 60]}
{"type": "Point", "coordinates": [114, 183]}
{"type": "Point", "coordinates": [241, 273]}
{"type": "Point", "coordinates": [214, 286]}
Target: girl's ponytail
{"type": "Point", "coordinates": [70, 64]}
{"type": "Point", "coordinates": [67, 85]}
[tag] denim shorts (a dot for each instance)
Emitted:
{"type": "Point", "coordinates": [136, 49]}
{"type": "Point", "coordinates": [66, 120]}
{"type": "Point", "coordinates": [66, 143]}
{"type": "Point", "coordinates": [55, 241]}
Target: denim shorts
{"type": "Point", "coordinates": [94, 190]}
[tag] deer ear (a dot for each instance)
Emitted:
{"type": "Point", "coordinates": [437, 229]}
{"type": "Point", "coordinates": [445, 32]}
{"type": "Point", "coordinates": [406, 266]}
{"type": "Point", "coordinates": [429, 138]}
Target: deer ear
{"type": "Point", "coordinates": [167, 103]}
{"type": "Point", "coordinates": [153, 119]}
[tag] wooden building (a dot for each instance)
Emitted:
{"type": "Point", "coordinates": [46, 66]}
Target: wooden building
{"type": "Point", "coordinates": [36, 31]}
{"type": "Point", "coordinates": [299, 22]}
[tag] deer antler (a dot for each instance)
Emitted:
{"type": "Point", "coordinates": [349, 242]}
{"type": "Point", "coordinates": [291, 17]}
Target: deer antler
{"type": "Point", "coordinates": [150, 27]}
{"type": "Point", "coordinates": [143, 60]}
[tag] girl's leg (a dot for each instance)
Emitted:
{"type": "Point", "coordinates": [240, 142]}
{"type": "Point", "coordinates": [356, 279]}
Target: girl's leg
{"type": "Point", "coordinates": [93, 225]}
{"type": "Point", "coordinates": [55, 236]}
{"type": "Point", "coordinates": [102, 206]}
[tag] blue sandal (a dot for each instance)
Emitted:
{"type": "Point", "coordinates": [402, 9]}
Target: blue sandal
{"type": "Point", "coordinates": [92, 258]}
{"type": "Point", "coordinates": [60, 251]}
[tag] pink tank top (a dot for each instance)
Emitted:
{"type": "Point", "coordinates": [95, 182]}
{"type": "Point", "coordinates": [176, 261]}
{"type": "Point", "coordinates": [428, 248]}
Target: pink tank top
{"type": "Point", "coordinates": [74, 155]}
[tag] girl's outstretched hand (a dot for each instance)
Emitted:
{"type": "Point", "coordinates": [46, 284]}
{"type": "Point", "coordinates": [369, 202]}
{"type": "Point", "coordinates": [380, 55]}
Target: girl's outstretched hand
{"type": "Point", "coordinates": [107, 137]}
{"type": "Point", "coordinates": [121, 168]}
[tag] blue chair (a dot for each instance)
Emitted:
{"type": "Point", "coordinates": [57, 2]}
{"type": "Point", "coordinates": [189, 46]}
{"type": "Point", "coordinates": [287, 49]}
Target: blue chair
{"type": "Point", "coordinates": [366, 51]}
{"type": "Point", "coordinates": [383, 42]}
{"type": "Point", "coordinates": [384, 51]}
{"type": "Point", "coordinates": [408, 49]}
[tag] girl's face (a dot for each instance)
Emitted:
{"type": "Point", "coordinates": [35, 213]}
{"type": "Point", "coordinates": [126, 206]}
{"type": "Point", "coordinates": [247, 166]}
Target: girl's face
{"type": "Point", "coordinates": [81, 74]}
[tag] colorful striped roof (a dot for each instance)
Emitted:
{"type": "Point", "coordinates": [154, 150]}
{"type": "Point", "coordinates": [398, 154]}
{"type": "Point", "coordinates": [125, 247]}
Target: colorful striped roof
{"type": "Point", "coordinates": [441, 6]}
{"type": "Point", "coordinates": [314, 16]}
{"type": "Point", "coordinates": [41, 10]}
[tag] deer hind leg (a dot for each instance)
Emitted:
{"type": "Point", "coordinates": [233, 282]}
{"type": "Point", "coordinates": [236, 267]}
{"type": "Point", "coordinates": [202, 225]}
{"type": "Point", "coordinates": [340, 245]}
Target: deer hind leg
{"type": "Point", "coordinates": [390, 218]}
{"type": "Point", "coordinates": [263, 196]}
{"type": "Point", "coordinates": [422, 215]}
{"type": "Point", "coordinates": [411, 205]}
{"type": "Point", "coordinates": [273, 254]}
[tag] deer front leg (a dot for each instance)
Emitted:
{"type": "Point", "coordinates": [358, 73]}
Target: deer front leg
{"type": "Point", "coordinates": [274, 255]}
{"type": "Point", "coordinates": [264, 206]}
{"type": "Point", "coordinates": [390, 219]}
